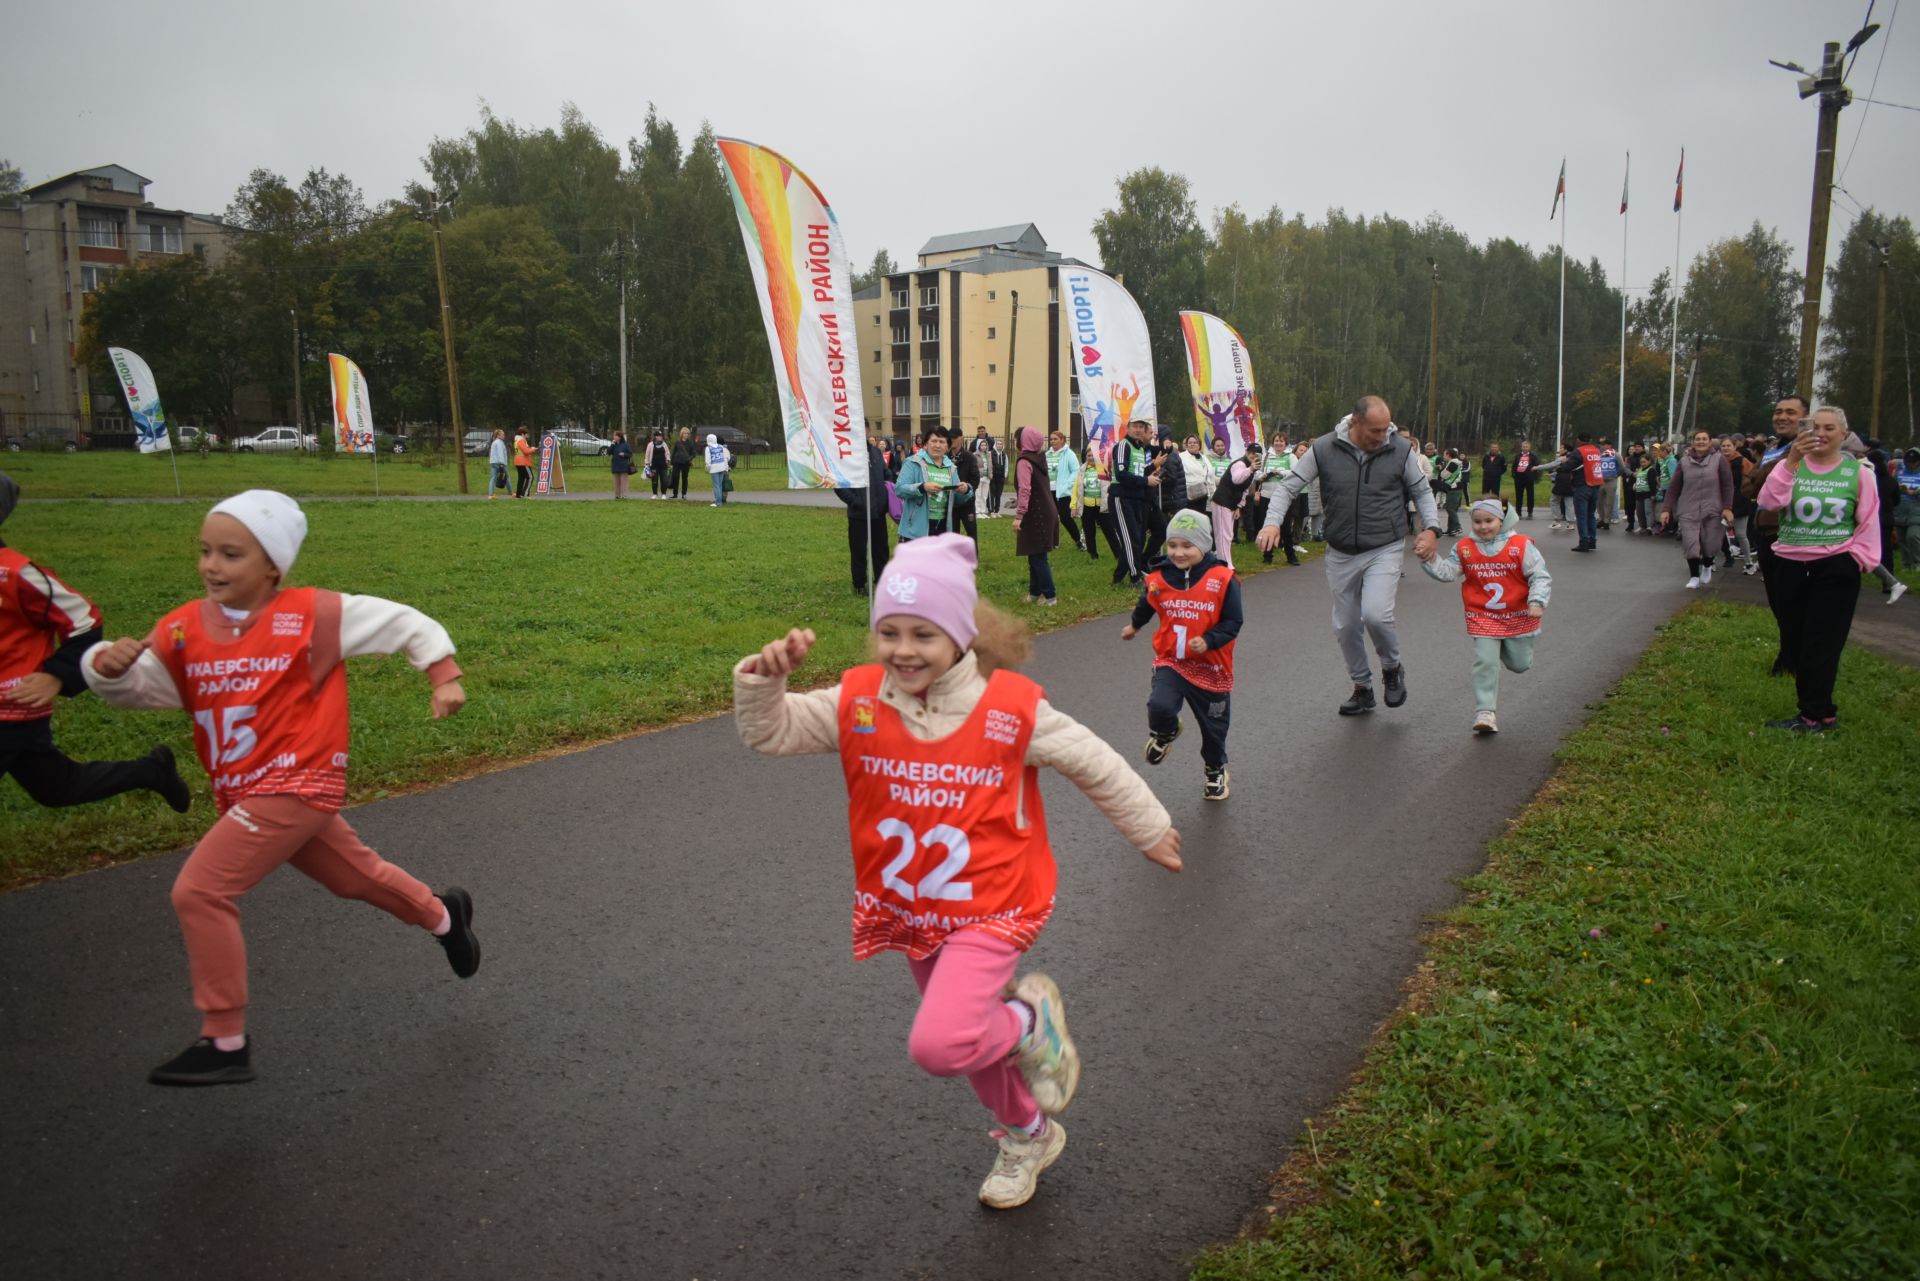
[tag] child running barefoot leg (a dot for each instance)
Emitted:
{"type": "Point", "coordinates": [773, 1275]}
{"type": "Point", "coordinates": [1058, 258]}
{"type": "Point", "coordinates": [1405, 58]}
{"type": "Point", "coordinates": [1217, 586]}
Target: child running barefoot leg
{"type": "Point", "coordinates": [1198, 602]}
{"type": "Point", "coordinates": [941, 746]}
{"type": "Point", "coordinates": [259, 668]}
{"type": "Point", "coordinates": [1504, 586]}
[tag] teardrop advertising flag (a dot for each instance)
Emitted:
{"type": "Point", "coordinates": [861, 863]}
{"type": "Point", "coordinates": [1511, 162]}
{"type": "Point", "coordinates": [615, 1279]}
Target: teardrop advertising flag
{"type": "Point", "coordinates": [1112, 356]}
{"type": "Point", "coordinates": [352, 411]}
{"type": "Point", "coordinates": [799, 264]}
{"type": "Point", "coordinates": [1220, 371]}
{"type": "Point", "coordinates": [143, 401]}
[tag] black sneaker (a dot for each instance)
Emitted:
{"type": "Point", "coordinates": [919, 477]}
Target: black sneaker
{"type": "Point", "coordinates": [462, 948]}
{"type": "Point", "coordinates": [1396, 678]}
{"type": "Point", "coordinates": [1216, 788]}
{"type": "Point", "coordinates": [1157, 746]}
{"type": "Point", "coordinates": [171, 787]}
{"type": "Point", "coordinates": [1805, 725]}
{"type": "Point", "coordinates": [1360, 704]}
{"type": "Point", "coordinates": [202, 1063]}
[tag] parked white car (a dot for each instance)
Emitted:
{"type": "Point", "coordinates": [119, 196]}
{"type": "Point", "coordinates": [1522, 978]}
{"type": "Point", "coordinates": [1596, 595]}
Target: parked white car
{"type": "Point", "coordinates": [580, 441]}
{"type": "Point", "coordinates": [277, 440]}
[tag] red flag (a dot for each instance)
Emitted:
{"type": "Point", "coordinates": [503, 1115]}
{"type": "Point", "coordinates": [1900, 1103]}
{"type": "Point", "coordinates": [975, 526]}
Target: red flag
{"type": "Point", "coordinates": [1559, 190]}
{"type": "Point", "coordinates": [1679, 180]}
{"type": "Point", "coordinates": [1623, 182]}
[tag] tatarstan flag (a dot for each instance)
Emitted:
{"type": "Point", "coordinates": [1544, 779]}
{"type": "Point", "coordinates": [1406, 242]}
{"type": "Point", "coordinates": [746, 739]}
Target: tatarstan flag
{"type": "Point", "coordinates": [1679, 180]}
{"type": "Point", "coordinates": [1623, 182]}
{"type": "Point", "coordinates": [1559, 190]}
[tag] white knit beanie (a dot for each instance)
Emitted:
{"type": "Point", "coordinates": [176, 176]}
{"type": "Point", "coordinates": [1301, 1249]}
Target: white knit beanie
{"type": "Point", "coordinates": [271, 517]}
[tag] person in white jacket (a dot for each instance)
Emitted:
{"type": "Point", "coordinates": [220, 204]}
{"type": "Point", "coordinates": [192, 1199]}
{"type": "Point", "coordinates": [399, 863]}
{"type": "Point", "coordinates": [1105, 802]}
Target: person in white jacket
{"type": "Point", "coordinates": [719, 463]}
{"type": "Point", "coordinates": [258, 666]}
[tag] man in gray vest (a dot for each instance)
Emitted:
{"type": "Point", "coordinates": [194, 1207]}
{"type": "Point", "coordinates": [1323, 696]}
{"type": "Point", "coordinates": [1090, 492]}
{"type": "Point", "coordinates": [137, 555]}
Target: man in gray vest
{"type": "Point", "coordinates": [1367, 475]}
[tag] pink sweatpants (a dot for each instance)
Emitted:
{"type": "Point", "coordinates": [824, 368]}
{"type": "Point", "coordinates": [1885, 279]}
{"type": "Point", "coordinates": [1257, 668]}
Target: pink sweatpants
{"type": "Point", "coordinates": [964, 1027]}
{"type": "Point", "coordinates": [1222, 533]}
{"type": "Point", "coordinates": [249, 841]}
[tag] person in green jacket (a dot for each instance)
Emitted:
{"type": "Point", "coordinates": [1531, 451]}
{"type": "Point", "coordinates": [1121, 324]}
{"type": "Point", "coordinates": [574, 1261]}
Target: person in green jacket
{"type": "Point", "coordinates": [1063, 471]}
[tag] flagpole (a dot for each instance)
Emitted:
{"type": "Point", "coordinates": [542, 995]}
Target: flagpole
{"type": "Point", "coordinates": [1620, 434]}
{"type": "Point", "coordinates": [1560, 383]}
{"type": "Point", "coordinates": [1673, 332]}
{"type": "Point", "coordinates": [173, 456]}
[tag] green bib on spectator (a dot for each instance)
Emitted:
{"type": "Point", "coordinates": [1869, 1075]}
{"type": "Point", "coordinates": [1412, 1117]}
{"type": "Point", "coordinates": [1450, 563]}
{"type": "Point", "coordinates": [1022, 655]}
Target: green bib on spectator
{"type": "Point", "coordinates": [1822, 509]}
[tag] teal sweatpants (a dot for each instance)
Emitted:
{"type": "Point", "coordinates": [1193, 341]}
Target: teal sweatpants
{"type": "Point", "coordinates": [1490, 653]}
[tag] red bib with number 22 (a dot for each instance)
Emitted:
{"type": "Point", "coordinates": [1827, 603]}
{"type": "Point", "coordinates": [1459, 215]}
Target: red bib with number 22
{"type": "Point", "coordinates": [948, 834]}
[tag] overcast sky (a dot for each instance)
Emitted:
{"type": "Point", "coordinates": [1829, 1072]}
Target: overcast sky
{"type": "Point", "coordinates": [922, 119]}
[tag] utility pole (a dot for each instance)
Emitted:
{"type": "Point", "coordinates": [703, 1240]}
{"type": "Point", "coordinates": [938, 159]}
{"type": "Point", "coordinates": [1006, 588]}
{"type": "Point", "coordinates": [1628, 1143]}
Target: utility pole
{"type": "Point", "coordinates": [623, 334]}
{"type": "Point", "coordinates": [299, 419]}
{"type": "Point", "coordinates": [446, 339]}
{"type": "Point", "coordinates": [1879, 339]}
{"type": "Point", "coordinates": [1013, 350]}
{"type": "Point", "coordinates": [1433, 353]}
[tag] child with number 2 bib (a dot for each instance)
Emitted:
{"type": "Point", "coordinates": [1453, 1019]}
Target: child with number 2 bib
{"type": "Point", "coordinates": [941, 746]}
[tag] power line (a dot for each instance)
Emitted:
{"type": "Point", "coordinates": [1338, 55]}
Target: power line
{"type": "Point", "coordinates": [1885, 39]}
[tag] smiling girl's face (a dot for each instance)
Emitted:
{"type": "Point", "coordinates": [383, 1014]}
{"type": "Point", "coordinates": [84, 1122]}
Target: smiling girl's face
{"type": "Point", "coordinates": [233, 565]}
{"type": "Point", "coordinates": [914, 651]}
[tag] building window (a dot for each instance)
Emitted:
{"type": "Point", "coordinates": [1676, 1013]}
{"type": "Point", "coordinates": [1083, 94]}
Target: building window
{"type": "Point", "coordinates": [993, 369]}
{"type": "Point", "coordinates": [991, 295]}
{"type": "Point", "coordinates": [1053, 293]}
{"type": "Point", "coordinates": [900, 404]}
{"type": "Point", "coordinates": [876, 318]}
{"type": "Point", "coordinates": [900, 368]}
{"type": "Point", "coordinates": [900, 298]}
{"type": "Point", "coordinates": [930, 366]}
{"type": "Point", "coordinates": [36, 381]}
{"type": "Point", "coordinates": [159, 238]}
{"type": "Point", "coordinates": [32, 336]}
{"type": "Point", "coordinates": [993, 406]}
{"type": "Point", "coordinates": [876, 393]}
{"type": "Point", "coordinates": [930, 331]}
{"type": "Point", "coordinates": [899, 333]}
{"type": "Point", "coordinates": [92, 278]}
{"type": "Point", "coordinates": [930, 296]}
{"type": "Point", "coordinates": [930, 405]}
{"type": "Point", "coordinates": [876, 355]}
{"type": "Point", "coordinates": [990, 331]}
{"type": "Point", "coordinates": [101, 233]}
{"type": "Point", "coordinates": [69, 328]}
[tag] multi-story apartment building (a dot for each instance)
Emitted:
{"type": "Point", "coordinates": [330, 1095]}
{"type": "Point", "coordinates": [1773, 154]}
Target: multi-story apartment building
{"type": "Point", "coordinates": [937, 343]}
{"type": "Point", "coordinates": [64, 240]}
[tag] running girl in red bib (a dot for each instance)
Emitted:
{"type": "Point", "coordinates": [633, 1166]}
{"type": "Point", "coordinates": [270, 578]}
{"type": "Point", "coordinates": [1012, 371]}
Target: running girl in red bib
{"type": "Point", "coordinates": [258, 666]}
{"type": "Point", "coordinates": [1504, 586]}
{"type": "Point", "coordinates": [1829, 535]}
{"type": "Point", "coordinates": [941, 746]}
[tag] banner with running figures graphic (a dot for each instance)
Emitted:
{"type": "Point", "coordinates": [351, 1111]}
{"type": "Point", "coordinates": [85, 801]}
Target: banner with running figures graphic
{"type": "Point", "coordinates": [799, 264]}
{"type": "Point", "coordinates": [1112, 356]}
{"type": "Point", "coordinates": [143, 400]}
{"type": "Point", "coordinates": [1220, 372]}
{"type": "Point", "coordinates": [352, 412]}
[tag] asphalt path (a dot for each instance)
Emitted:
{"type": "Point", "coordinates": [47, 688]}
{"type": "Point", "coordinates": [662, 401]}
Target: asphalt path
{"type": "Point", "coordinates": [669, 1064]}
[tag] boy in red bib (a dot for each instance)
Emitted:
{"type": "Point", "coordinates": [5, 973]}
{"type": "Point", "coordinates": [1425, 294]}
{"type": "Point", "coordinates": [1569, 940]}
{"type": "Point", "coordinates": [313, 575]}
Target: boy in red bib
{"type": "Point", "coordinates": [45, 628]}
{"type": "Point", "coordinates": [1197, 599]}
{"type": "Point", "coordinates": [258, 666]}
{"type": "Point", "coordinates": [941, 746]}
{"type": "Point", "coordinates": [1504, 586]}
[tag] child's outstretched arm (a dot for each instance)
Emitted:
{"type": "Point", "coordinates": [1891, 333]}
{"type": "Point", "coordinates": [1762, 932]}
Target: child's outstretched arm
{"type": "Point", "coordinates": [1444, 567]}
{"type": "Point", "coordinates": [1142, 614]}
{"type": "Point", "coordinates": [1062, 743]}
{"type": "Point", "coordinates": [125, 673]}
{"type": "Point", "coordinates": [770, 719]}
{"type": "Point", "coordinates": [372, 625]}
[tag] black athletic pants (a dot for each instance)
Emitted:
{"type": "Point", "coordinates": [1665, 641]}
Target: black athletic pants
{"type": "Point", "coordinates": [866, 531]}
{"type": "Point", "coordinates": [1213, 711]}
{"type": "Point", "coordinates": [52, 778]}
{"type": "Point", "coordinates": [1064, 505]}
{"type": "Point", "coordinates": [1815, 600]}
{"type": "Point", "coordinates": [680, 473]}
{"type": "Point", "coordinates": [1131, 522]}
{"type": "Point", "coordinates": [1523, 493]}
{"type": "Point", "coordinates": [523, 482]}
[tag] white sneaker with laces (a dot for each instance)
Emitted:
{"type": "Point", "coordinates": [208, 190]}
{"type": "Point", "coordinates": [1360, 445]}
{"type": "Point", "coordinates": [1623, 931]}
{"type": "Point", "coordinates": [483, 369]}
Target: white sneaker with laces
{"type": "Point", "coordinates": [1899, 590]}
{"type": "Point", "coordinates": [1693, 582]}
{"type": "Point", "coordinates": [1016, 1171]}
{"type": "Point", "coordinates": [1483, 723]}
{"type": "Point", "coordinates": [1047, 1057]}
{"type": "Point", "coordinates": [1706, 574]}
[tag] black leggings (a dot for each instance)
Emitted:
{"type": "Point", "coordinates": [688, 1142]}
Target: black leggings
{"type": "Point", "coordinates": [52, 778]}
{"type": "Point", "coordinates": [680, 473]}
{"type": "Point", "coordinates": [1064, 505]}
{"type": "Point", "coordinates": [525, 481]}
{"type": "Point", "coordinates": [1814, 601]}
{"type": "Point", "coordinates": [1523, 493]}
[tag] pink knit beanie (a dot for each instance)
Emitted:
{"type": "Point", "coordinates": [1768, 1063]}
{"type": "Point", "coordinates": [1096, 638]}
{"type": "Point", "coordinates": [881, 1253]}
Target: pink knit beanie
{"type": "Point", "coordinates": [932, 578]}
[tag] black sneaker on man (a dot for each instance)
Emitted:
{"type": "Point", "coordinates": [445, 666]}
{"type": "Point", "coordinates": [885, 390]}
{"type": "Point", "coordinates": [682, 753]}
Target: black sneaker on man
{"type": "Point", "coordinates": [459, 943]}
{"type": "Point", "coordinates": [1157, 744]}
{"type": "Point", "coordinates": [171, 787]}
{"type": "Point", "coordinates": [1396, 678]}
{"type": "Point", "coordinates": [1360, 704]}
{"type": "Point", "coordinates": [204, 1063]}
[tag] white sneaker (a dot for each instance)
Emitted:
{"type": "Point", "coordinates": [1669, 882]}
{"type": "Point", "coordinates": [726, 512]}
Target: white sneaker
{"type": "Point", "coordinates": [1299, 551]}
{"type": "Point", "coordinates": [1483, 723]}
{"type": "Point", "coordinates": [1706, 575]}
{"type": "Point", "coordinates": [1048, 1059]}
{"type": "Point", "coordinates": [1899, 590]}
{"type": "Point", "coordinates": [1753, 566]}
{"type": "Point", "coordinates": [1693, 582]}
{"type": "Point", "coordinates": [1016, 1171]}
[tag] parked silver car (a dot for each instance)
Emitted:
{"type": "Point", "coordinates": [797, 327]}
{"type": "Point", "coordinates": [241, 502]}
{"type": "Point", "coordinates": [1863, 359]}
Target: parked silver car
{"type": "Point", "coordinates": [277, 440]}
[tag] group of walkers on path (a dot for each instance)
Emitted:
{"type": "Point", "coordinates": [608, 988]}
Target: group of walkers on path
{"type": "Point", "coordinates": [667, 466]}
{"type": "Point", "coordinates": [940, 739]}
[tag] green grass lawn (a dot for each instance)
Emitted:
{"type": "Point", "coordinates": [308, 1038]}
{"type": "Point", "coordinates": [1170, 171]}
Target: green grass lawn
{"type": "Point", "coordinates": [1676, 1029]}
{"type": "Point", "coordinates": [576, 622]}
{"type": "Point", "coordinates": [115, 474]}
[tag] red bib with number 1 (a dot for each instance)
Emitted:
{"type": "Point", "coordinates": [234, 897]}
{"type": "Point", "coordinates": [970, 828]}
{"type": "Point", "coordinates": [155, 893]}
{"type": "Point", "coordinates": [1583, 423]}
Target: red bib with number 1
{"type": "Point", "coordinates": [260, 726]}
{"type": "Point", "coordinates": [948, 834]}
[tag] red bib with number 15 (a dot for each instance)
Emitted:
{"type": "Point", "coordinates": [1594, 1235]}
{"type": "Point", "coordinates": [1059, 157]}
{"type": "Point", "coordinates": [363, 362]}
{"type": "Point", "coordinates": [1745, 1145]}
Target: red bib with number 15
{"type": "Point", "coordinates": [260, 726]}
{"type": "Point", "coordinates": [948, 834]}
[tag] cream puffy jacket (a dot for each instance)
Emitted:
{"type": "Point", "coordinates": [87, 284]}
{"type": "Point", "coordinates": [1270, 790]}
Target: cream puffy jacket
{"type": "Point", "coordinates": [773, 721]}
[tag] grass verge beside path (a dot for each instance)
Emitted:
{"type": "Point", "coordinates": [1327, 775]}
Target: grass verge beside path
{"type": "Point", "coordinates": [1676, 1029]}
{"type": "Point", "coordinates": [575, 622]}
